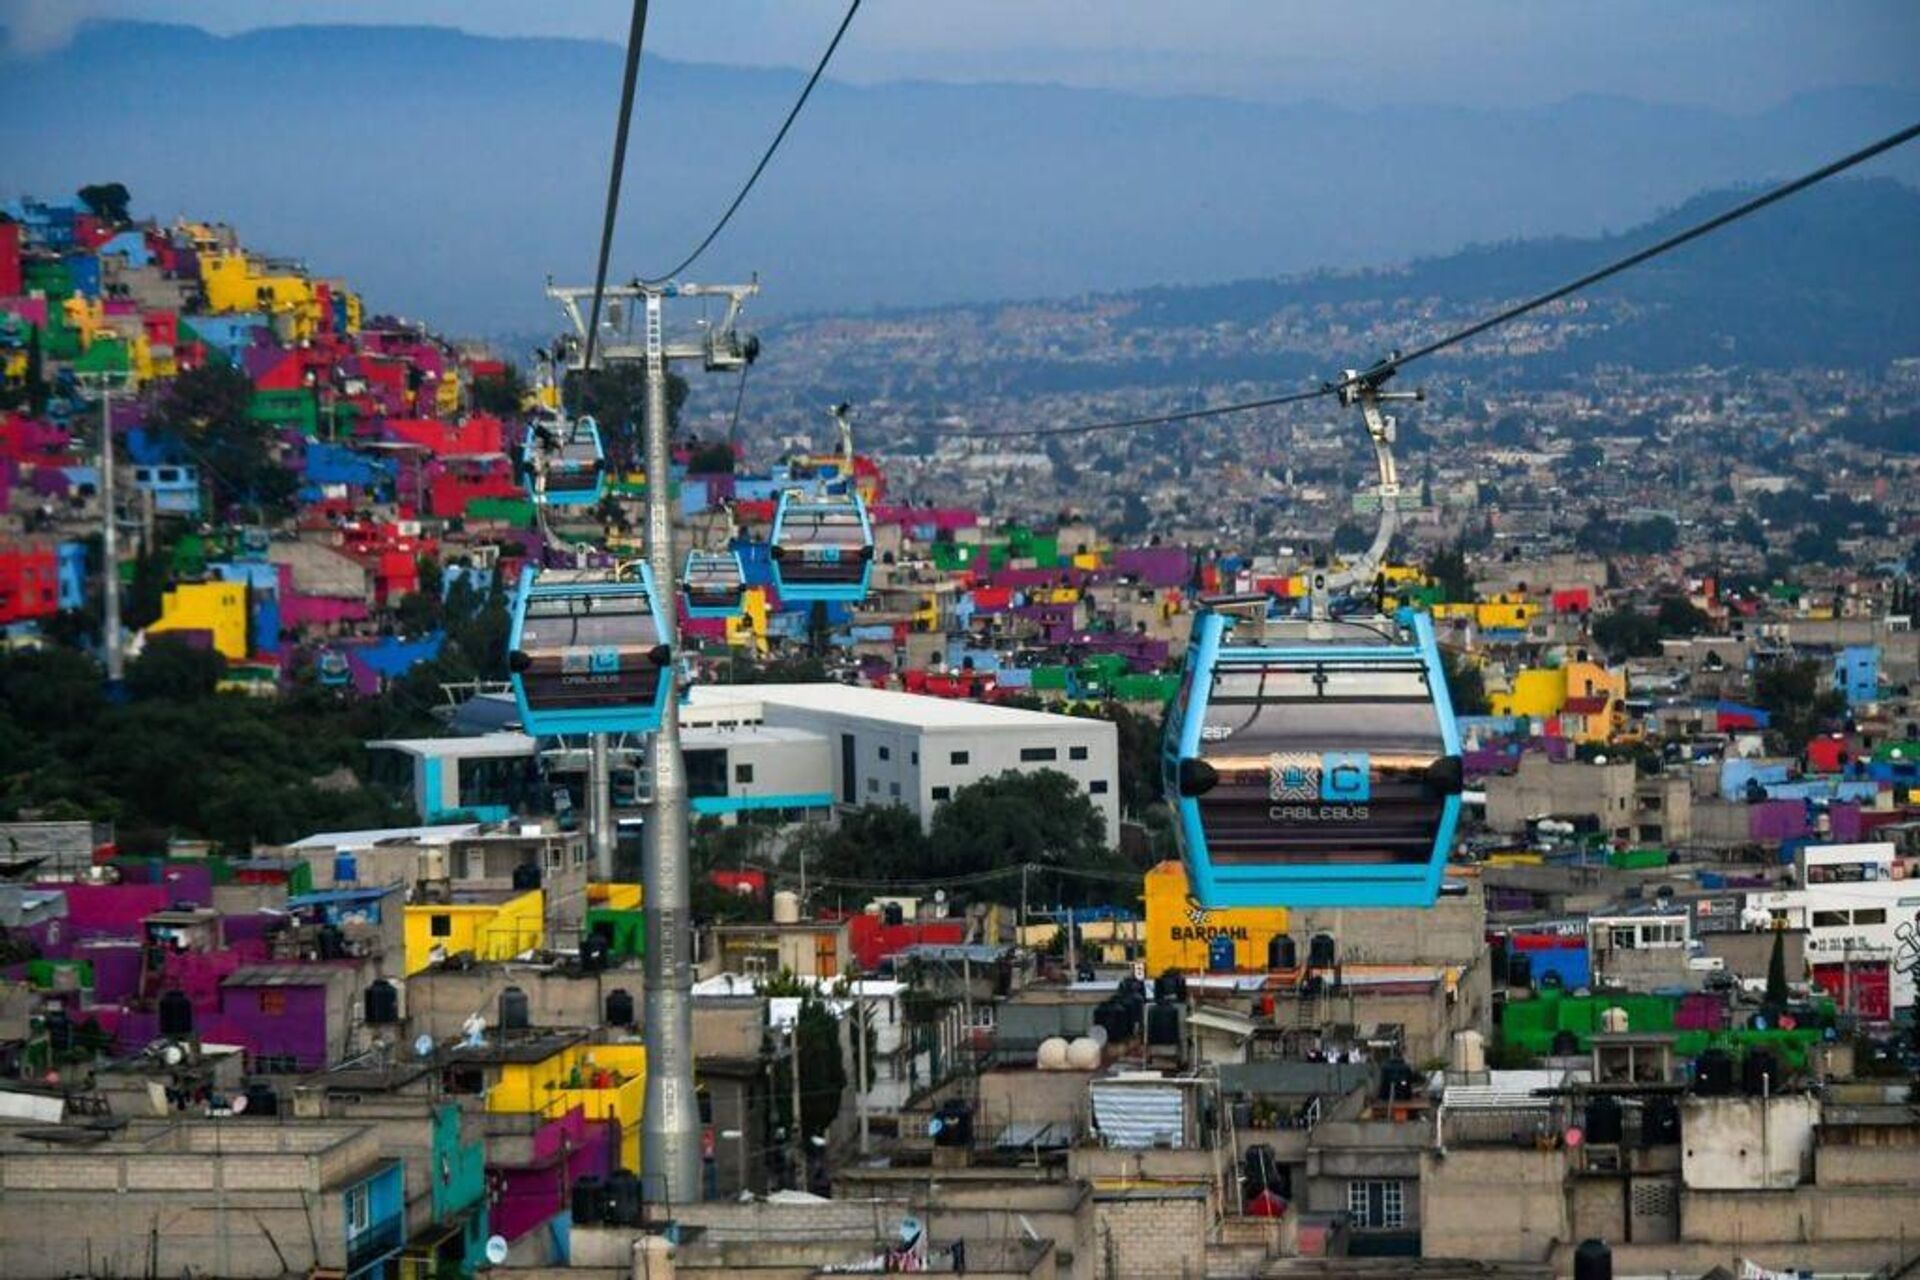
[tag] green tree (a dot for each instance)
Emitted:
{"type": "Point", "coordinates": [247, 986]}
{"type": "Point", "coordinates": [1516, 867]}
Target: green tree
{"type": "Point", "coordinates": [1466, 685]}
{"type": "Point", "coordinates": [500, 395]}
{"type": "Point", "coordinates": [1040, 818]}
{"type": "Point", "coordinates": [1776, 996]}
{"type": "Point", "coordinates": [1627, 633]}
{"type": "Point", "coordinates": [1448, 571]}
{"type": "Point", "coordinates": [616, 396]}
{"type": "Point", "coordinates": [823, 1068]}
{"type": "Point", "coordinates": [871, 843]}
{"type": "Point", "coordinates": [205, 410]}
{"type": "Point", "coordinates": [1798, 701]}
{"type": "Point", "coordinates": [107, 201]}
{"type": "Point", "coordinates": [172, 670]}
{"type": "Point", "coordinates": [1677, 616]}
{"type": "Point", "coordinates": [714, 459]}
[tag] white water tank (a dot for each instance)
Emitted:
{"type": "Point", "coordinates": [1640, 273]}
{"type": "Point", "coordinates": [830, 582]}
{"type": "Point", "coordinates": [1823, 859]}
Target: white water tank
{"type": "Point", "coordinates": [1613, 1019]}
{"type": "Point", "coordinates": [786, 907]}
{"type": "Point", "coordinates": [433, 863]}
{"type": "Point", "coordinates": [1053, 1054]}
{"type": "Point", "coordinates": [1469, 1052]}
{"type": "Point", "coordinates": [1084, 1054]}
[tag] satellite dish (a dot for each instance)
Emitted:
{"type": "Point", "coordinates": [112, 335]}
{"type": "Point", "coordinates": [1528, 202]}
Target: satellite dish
{"type": "Point", "coordinates": [934, 1126]}
{"type": "Point", "coordinates": [496, 1249]}
{"type": "Point", "coordinates": [1575, 1137]}
{"type": "Point", "coordinates": [910, 1229]}
{"type": "Point", "coordinates": [173, 1055]}
{"type": "Point", "coordinates": [939, 895]}
{"type": "Point", "coordinates": [423, 1047]}
{"type": "Point", "coordinates": [1026, 1229]}
{"type": "Point", "coordinates": [237, 1104]}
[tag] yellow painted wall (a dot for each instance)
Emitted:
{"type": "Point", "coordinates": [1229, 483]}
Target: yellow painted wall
{"type": "Point", "coordinates": [491, 931]}
{"type": "Point", "coordinates": [1176, 940]}
{"type": "Point", "coordinates": [216, 607]}
{"type": "Point", "coordinates": [614, 895]}
{"type": "Point", "coordinates": [1537, 691]}
{"type": "Point", "coordinates": [232, 285]}
{"type": "Point", "coordinates": [552, 1087]}
{"type": "Point", "coordinates": [1087, 560]}
{"type": "Point", "coordinates": [750, 628]}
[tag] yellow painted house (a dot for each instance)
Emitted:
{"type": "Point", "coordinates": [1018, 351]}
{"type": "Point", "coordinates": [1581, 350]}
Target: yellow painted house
{"type": "Point", "coordinates": [233, 284]}
{"type": "Point", "coordinates": [1583, 696]}
{"type": "Point", "coordinates": [607, 1081]}
{"type": "Point", "coordinates": [490, 930]}
{"type": "Point", "coordinates": [1180, 936]}
{"type": "Point", "coordinates": [218, 608]}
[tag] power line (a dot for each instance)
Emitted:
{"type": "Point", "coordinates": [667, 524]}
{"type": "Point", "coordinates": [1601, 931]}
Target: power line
{"type": "Point", "coordinates": [636, 37]}
{"type": "Point", "coordinates": [1632, 260]}
{"type": "Point", "coordinates": [1386, 368]}
{"type": "Point", "coordinates": [819, 69]}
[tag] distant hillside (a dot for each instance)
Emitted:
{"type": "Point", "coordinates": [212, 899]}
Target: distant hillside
{"type": "Point", "coordinates": [451, 173]}
{"type": "Point", "coordinates": [1831, 276]}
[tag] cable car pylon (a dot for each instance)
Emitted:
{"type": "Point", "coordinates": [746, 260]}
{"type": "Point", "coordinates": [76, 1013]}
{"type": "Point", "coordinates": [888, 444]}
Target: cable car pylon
{"type": "Point", "coordinates": [1312, 757]}
{"type": "Point", "coordinates": [670, 1140]}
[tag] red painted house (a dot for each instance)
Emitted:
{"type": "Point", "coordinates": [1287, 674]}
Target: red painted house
{"type": "Point", "coordinates": [9, 259]}
{"type": "Point", "coordinates": [29, 583]}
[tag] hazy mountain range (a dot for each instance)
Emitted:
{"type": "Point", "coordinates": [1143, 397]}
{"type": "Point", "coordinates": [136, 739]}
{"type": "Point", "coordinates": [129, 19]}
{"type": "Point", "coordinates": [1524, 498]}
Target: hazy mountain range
{"type": "Point", "coordinates": [447, 175]}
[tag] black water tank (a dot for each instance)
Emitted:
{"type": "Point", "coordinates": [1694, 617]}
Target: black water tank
{"type": "Point", "coordinates": [526, 876]}
{"type": "Point", "coordinates": [383, 1002]}
{"type": "Point", "coordinates": [1172, 986]}
{"type": "Point", "coordinates": [1519, 969]}
{"type": "Point", "coordinates": [1163, 1024]}
{"type": "Point", "coordinates": [176, 1015]}
{"type": "Point", "coordinates": [623, 1198]}
{"type": "Point", "coordinates": [1565, 1044]}
{"type": "Point", "coordinates": [1592, 1260]}
{"type": "Point", "coordinates": [589, 1201]}
{"type": "Point", "coordinates": [619, 1007]}
{"type": "Point", "coordinates": [1398, 1082]}
{"type": "Point", "coordinates": [262, 1100]}
{"type": "Point", "coordinates": [1132, 989]}
{"type": "Point", "coordinates": [596, 953]}
{"type": "Point", "coordinates": [1759, 1072]}
{"type": "Point", "coordinates": [956, 1124]}
{"type": "Point", "coordinates": [1320, 951]}
{"type": "Point", "coordinates": [331, 942]}
{"type": "Point", "coordinates": [515, 1013]}
{"type": "Point", "coordinates": [1283, 952]}
{"type": "Point", "coordinates": [1083, 972]}
{"type": "Point", "coordinates": [1713, 1074]}
{"type": "Point", "coordinates": [1260, 1164]}
{"type": "Point", "coordinates": [1604, 1124]}
{"type": "Point", "coordinates": [892, 914]}
{"type": "Point", "coordinates": [1660, 1123]}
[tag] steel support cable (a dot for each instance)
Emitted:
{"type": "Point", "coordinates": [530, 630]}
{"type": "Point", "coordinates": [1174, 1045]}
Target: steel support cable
{"type": "Point", "coordinates": [766, 157]}
{"type": "Point", "coordinates": [636, 38]}
{"type": "Point", "coordinates": [1386, 368]}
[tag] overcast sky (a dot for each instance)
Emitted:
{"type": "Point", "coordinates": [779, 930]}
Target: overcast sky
{"type": "Point", "coordinates": [1730, 54]}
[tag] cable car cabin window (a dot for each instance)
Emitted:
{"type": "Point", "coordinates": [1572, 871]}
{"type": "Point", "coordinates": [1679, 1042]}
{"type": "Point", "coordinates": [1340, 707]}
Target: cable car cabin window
{"type": "Point", "coordinates": [590, 651]}
{"type": "Point", "coordinates": [1320, 764]}
{"type": "Point", "coordinates": [837, 528]}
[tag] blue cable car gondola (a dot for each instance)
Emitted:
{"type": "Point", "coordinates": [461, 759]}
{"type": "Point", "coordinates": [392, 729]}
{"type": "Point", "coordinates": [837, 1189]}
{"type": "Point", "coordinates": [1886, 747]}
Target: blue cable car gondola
{"type": "Point", "coordinates": [1317, 767]}
{"type": "Point", "coordinates": [714, 583]}
{"type": "Point", "coordinates": [822, 548]}
{"type": "Point", "coordinates": [332, 669]}
{"type": "Point", "coordinates": [562, 462]}
{"type": "Point", "coordinates": [586, 652]}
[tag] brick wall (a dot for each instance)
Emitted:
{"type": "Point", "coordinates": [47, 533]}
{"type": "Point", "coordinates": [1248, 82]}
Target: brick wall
{"type": "Point", "coordinates": [1150, 1235]}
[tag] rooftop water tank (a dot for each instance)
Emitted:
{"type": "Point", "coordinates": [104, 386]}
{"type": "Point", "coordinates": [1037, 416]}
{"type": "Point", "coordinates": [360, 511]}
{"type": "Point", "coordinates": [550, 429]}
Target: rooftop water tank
{"type": "Point", "coordinates": [176, 1015]}
{"type": "Point", "coordinates": [515, 1012]}
{"type": "Point", "coordinates": [786, 907]}
{"type": "Point", "coordinates": [1053, 1054]}
{"type": "Point", "coordinates": [1084, 1054]}
{"type": "Point", "coordinates": [1469, 1052]}
{"type": "Point", "coordinates": [383, 1002]}
{"type": "Point", "coordinates": [1613, 1019]}
{"type": "Point", "coordinates": [619, 1007]}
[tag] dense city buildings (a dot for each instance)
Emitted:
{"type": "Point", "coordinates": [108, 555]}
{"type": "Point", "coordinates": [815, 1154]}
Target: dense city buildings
{"type": "Point", "coordinates": [310, 966]}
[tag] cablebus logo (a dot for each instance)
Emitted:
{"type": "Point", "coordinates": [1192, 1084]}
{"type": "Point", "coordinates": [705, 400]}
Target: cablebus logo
{"type": "Point", "coordinates": [1328, 786]}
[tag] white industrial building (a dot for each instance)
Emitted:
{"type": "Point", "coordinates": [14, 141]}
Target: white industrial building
{"type": "Point", "coordinates": [801, 750]}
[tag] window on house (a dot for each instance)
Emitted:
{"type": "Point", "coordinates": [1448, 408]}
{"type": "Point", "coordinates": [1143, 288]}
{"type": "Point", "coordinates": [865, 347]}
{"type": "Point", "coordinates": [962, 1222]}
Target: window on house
{"type": "Point", "coordinates": [1097, 787]}
{"type": "Point", "coordinates": [873, 785]}
{"type": "Point", "coordinates": [893, 788]}
{"type": "Point", "coordinates": [959, 757]}
{"type": "Point", "coordinates": [914, 757]}
{"type": "Point", "coordinates": [556, 857]}
{"type": "Point", "coordinates": [886, 753]}
{"type": "Point", "coordinates": [943, 793]}
{"type": "Point", "coordinates": [1076, 753]}
{"type": "Point", "coordinates": [1622, 937]}
{"type": "Point", "coordinates": [440, 926]}
{"type": "Point", "coordinates": [273, 1001]}
{"type": "Point", "coordinates": [359, 1209]}
{"type": "Point", "coordinates": [743, 773]}
{"type": "Point", "coordinates": [1376, 1203]}
{"type": "Point", "coordinates": [1034, 755]}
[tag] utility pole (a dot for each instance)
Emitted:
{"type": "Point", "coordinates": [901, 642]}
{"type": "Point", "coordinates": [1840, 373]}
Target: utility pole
{"type": "Point", "coordinates": [860, 1049]}
{"type": "Point", "coordinates": [105, 384]}
{"type": "Point", "coordinates": [670, 1138]}
{"type": "Point", "coordinates": [799, 1134]}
